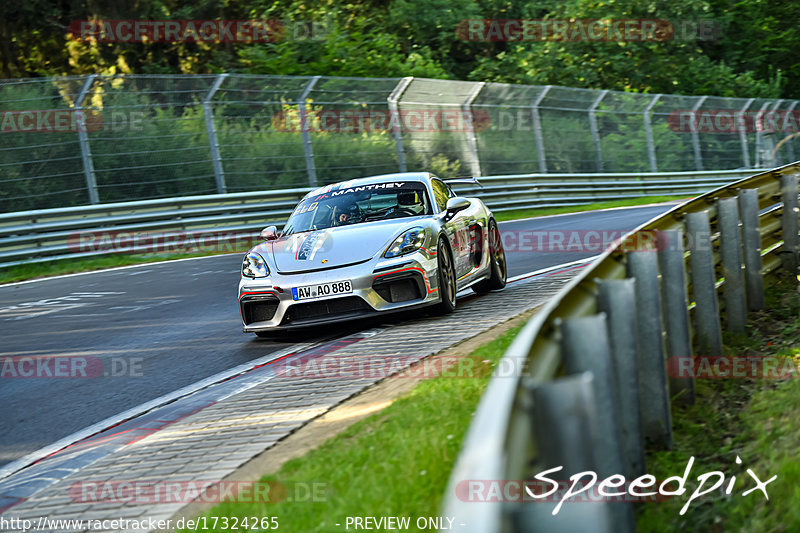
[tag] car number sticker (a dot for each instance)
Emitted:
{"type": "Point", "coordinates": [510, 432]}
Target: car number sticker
{"type": "Point", "coordinates": [321, 290]}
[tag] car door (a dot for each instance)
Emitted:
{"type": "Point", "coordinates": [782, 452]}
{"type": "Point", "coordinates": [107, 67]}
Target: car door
{"type": "Point", "coordinates": [457, 230]}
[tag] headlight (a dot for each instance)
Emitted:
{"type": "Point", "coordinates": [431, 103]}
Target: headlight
{"type": "Point", "coordinates": [254, 266]}
{"type": "Point", "coordinates": [408, 242]}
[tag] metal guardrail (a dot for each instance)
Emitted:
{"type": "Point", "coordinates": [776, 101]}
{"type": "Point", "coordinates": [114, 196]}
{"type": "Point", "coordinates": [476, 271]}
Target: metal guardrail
{"type": "Point", "coordinates": [588, 386]}
{"type": "Point", "coordinates": [48, 234]}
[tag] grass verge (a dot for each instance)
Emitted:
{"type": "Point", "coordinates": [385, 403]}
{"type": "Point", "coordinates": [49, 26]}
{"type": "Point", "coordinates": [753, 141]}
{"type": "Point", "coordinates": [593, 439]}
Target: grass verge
{"type": "Point", "coordinates": [545, 211]}
{"type": "Point", "coordinates": [71, 266]}
{"type": "Point", "coordinates": [755, 419]}
{"type": "Point", "coordinates": [396, 462]}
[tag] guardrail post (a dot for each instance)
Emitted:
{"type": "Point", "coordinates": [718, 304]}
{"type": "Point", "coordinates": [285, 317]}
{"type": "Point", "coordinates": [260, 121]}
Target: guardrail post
{"type": "Point", "coordinates": [83, 140]}
{"type": "Point", "coordinates": [537, 129]}
{"type": "Point", "coordinates": [397, 123]}
{"type": "Point", "coordinates": [472, 143]}
{"type": "Point", "coordinates": [698, 155]}
{"type": "Point", "coordinates": [616, 299]}
{"type": "Point", "coordinates": [211, 128]}
{"type": "Point", "coordinates": [743, 137]}
{"type": "Point", "coordinates": [567, 411]}
{"type": "Point", "coordinates": [675, 311]}
{"type": "Point", "coordinates": [648, 131]}
{"type": "Point", "coordinates": [789, 223]}
{"type": "Point", "coordinates": [731, 255]}
{"type": "Point", "coordinates": [598, 154]}
{"type": "Point", "coordinates": [585, 346]}
{"type": "Point", "coordinates": [701, 265]}
{"type": "Point", "coordinates": [311, 169]}
{"type": "Point", "coordinates": [751, 239]}
{"type": "Point", "coordinates": [655, 407]}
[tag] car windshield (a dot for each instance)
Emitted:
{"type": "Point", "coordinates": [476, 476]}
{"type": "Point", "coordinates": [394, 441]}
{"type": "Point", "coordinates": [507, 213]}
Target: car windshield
{"type": "Point", "coordinates": [342, 206]}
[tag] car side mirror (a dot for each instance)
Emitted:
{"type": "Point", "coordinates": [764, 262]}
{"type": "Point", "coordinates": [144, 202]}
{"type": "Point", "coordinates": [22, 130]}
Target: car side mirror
{"type": "Point", "coordinates": [454, 205]}
{"type": "Point", "coordinates": [270, 233]}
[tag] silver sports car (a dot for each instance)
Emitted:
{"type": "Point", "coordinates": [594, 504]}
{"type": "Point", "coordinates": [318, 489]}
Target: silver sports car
{"type": "Point", "coordinates": [369, 246]}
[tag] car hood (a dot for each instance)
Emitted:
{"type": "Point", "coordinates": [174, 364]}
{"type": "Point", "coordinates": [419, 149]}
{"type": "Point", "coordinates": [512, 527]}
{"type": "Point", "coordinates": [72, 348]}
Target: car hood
{"type": "Point", "coordinates": [336, 247]}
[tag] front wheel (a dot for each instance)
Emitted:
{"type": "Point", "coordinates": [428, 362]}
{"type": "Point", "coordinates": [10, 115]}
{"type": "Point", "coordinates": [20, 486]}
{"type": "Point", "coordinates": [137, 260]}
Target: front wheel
{"type": "Point", "coordinates": [447, 279]}
{"type": "Point", "coordinates": [497, 263]}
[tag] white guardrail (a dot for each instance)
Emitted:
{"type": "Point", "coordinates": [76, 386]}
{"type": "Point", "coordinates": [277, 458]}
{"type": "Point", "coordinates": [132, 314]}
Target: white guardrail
{"type": "Point", "coordinates": [587, 386]}
{"type": "Point", "coordinates": [53, 234]}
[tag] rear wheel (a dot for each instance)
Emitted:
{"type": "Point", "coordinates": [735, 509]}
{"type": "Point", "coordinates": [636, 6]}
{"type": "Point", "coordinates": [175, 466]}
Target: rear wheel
{"type": "Point", "coordinates": [497, 263]}
{"type": "Point", "coordinates": [447, 279]}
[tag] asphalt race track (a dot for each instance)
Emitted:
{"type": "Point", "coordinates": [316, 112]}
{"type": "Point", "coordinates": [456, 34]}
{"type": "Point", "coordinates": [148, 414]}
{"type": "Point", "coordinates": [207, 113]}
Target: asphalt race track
{"type": "Point", "coordinates": [151, 329]}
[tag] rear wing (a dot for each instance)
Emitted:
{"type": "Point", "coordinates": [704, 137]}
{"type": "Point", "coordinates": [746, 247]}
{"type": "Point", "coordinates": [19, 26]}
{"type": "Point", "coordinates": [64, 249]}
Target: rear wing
{"type": "Point", "coordinates": [464, 181]}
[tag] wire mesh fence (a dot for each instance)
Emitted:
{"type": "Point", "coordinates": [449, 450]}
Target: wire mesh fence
{"type": "Point", "coordinates": [95, 139]}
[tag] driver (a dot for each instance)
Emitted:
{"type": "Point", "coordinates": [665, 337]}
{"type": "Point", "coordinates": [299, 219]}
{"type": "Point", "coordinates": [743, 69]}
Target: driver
{"type": "Point", "coordinates": [410, 201]}
{"type": "Point", "coordinates": [345, 213]}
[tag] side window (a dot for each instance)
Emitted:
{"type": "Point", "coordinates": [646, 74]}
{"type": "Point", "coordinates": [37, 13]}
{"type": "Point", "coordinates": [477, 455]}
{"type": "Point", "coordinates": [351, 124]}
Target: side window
{"type": "Point", "coordinates": [441, 193]}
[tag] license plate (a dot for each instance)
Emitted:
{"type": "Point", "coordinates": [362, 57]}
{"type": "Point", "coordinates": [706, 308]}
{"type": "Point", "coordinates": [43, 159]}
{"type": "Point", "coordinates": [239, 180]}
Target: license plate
{"type": "Point", "coordinates": [321, 290]}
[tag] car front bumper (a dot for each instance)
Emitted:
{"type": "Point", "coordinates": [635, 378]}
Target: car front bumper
{"type": "Point", "coordinates": [379, 286]}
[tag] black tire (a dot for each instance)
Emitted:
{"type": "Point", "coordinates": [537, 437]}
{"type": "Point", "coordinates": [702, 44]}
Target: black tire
{"type": "Point", "coordinates": [497, 263]}
{"type": "Point", "coordinates": [446, 273]}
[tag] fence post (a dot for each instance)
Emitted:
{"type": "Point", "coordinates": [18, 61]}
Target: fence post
{"type": "Point", "coordinates": [731, 255]}
{"type": "Point", "coordinates": [743, 136]}
{"type": "Point", "coordinates": [212, 134]}
{"type": "Point", "coordinates": [773, 155]}
{"type": "Point", "coordinates": [655, 407]}
{"type": "Point", "coordinates": [759, 136]}
{"type": "Point", "coordinates": [585, 347]}
{"type": "Point", "coordinates": [751, 239]}
{"type": "Point", "coordinates": [567, 409]}
{"type": "Point", "coordinates": [472, 143]}
{"type": "Point", "coordinates": [537, 129]}
{"type": "Point", "coordinates": [397, 123]}
{"type": "Point", "coordinates": [648, 131]}
{"type": "Point", "coordinates": [789, 147]}
{"type": "Point", "coordinates": [789, 223]}
{"type": "Point", "coordinates": [698, 155]}
{"type": "Point", "coordinates": [676, 314]}
{"type": "Point", "coordinates": [598, 154]}
{"type": "Point", "coordinates": [307, 148]}
{"type": "Point", "coordinates": [616, 299]}
{"type": "Point", "coordinates": [83, 141]}
{"type": "Point", "coordinates": [701, 264]}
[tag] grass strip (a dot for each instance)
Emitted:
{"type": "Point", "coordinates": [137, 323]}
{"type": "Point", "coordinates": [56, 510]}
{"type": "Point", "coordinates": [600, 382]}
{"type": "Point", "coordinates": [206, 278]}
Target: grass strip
{"type": "Point", "coordinates": [546, 211]}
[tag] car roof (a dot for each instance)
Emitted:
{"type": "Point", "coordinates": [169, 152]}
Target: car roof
{"type": "Point", "coordinates": [383, 178]}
